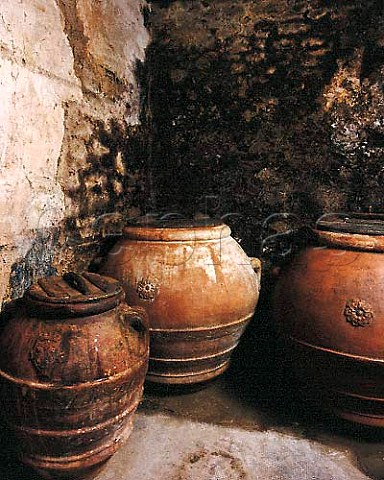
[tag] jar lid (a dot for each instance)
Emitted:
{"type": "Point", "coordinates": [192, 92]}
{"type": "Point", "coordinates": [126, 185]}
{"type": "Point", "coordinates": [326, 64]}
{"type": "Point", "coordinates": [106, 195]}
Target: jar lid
{"type": "Point", "coordinates": [156, 228]}
{"type": "Point", "coordinates": [357, 231]}
{"type": "Point", "coordinates": [74, 294]}
{"type": "Point", "coordinates": [363, 223]}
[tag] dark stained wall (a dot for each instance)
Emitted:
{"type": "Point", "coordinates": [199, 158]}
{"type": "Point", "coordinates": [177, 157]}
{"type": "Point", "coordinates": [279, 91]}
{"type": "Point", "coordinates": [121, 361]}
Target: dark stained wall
{"type": "Point", "coordinates": [263, 107]}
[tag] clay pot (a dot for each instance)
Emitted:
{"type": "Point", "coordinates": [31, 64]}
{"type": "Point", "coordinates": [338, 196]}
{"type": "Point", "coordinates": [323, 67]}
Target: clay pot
{"type": "Point", "coordinates": [73, 361]}
{"type": "Point", "coordinates": [329, 308]}
{"type": "Point", "coordinates": [198, 288]}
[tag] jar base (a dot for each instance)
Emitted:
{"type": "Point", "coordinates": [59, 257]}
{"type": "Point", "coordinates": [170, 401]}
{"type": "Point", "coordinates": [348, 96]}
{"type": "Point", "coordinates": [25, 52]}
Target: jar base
{"type": "Point", "coordinates": [80, 467]}
{"type": "Point", "coordinates": [358, 409]}
{"type": "Point", "coordinates": [86, 474]}
{"type": "Point", "coordinates": [189, 378]}
{"type": "Point", "coordinates": [340, 384]}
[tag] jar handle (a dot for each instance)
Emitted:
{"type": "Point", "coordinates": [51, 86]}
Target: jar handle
{"type": "Point", "coordinates": [282, 236]}
{"type": "Point", "coordinates": [256, 265]}
{"type": "Point", "coordinates": [137, 318]}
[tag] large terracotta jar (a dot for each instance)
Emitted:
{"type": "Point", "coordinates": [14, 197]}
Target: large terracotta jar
{"type": "Point", "coordinates": [329, 308]}
{"type": "Point", "coordinates": [73, 361]}
{"type": "Point", "coordinates": [198, 287]}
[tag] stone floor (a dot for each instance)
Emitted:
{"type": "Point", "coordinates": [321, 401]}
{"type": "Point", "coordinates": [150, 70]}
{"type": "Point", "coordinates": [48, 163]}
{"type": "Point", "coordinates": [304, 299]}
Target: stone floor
{"type": "Point", "coordinates": [252, 423]}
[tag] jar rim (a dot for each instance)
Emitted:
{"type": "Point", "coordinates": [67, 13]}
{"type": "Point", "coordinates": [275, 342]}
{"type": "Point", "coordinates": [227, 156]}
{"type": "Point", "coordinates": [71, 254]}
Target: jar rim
{"type": "Point", "coordinates": [176, 229]}
{"type": "Point", "coordinates": [350, 241]}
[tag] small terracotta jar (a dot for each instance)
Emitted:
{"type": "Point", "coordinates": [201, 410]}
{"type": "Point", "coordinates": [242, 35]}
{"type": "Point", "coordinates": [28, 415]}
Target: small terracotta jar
{"type": "Point", "coordinates": [199, 289]}
{"type": "Point", "coordinates": [73, 361]}
{"type": "Point", "coordinates": [329, 308]}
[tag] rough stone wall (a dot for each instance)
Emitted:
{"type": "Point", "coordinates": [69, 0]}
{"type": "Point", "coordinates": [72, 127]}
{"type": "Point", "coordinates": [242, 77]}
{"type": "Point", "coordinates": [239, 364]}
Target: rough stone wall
{"type": "Point", "coordinates": [263, 107]}
{"type": "Point", "coordinates": [72, 147]}
{"type": "Point", "coordinates": [255, 108]}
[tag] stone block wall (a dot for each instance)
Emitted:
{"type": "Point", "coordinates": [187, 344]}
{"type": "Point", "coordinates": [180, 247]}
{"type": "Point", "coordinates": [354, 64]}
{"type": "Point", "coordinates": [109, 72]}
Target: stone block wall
{"type": "Point", "coordinates": [72, 144]}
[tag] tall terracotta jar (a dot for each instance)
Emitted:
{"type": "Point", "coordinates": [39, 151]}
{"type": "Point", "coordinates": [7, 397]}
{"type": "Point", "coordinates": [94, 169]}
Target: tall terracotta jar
{"type": "Point", "coordinates": [73, 361]}
{"type": "Point", "coordinates": [329, 307]}
{"type": "Point", "coordinates": [198, 288]}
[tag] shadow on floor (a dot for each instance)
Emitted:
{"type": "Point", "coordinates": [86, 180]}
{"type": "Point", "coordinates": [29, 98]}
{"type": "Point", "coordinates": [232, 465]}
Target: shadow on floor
{"type": "Point", "coordinates": [10, 466]}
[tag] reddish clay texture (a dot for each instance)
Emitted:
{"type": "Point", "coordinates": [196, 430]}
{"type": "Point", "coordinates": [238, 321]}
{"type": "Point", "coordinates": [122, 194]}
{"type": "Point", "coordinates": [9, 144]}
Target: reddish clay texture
{"type": "Point", "coordinates": [329, 308]}
{"type": "Point", "coordinates": [198, 287]}
{"type": "Point", "coordinates": [73, 363]}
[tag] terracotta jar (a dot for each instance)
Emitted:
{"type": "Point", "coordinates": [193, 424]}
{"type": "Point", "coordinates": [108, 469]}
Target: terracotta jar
{"type": "Point", "coordinates": [73, 361]}
{"type": "Point", "coordinates": [198, 288]}
{"type": "Point", "coordinates": [329, 307]}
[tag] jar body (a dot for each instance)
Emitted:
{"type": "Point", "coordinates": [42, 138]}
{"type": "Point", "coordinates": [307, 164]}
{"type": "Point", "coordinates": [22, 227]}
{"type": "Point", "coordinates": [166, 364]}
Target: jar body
{"type": "Point", "coordinates": [200, 292]}
{"type": "Point", "coordinates": [70, 387]}
{"type": "Point", "coordinates": [329, 309]}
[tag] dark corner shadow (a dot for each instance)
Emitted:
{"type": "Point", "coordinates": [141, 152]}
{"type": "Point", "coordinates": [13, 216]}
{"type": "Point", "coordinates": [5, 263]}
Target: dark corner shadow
{"type": "Point", "coordinates": [257, 373]}
{"type": "Point", "coordinates": [10, 466]}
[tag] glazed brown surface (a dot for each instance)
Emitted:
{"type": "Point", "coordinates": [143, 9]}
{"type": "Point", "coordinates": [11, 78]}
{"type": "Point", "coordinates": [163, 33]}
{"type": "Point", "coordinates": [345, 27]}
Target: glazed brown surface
{"type": "Point", "coordinates": [71, 383]}
{"type": "Point", "coordinates": [329, 309]}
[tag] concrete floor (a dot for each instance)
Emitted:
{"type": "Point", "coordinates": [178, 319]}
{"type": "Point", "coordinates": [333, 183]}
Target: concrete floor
{"type": "Point", "coordinates": [213, 434]}
{"type": "Point", "coordinates": [252, 423]}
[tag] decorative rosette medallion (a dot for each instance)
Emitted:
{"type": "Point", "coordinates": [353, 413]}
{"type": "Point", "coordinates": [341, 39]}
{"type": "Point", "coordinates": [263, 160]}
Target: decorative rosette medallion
{"type": "Point", "coordinates": [147, 289]}
{"type": "Point", "coordinates": [358, 313]}
{"type": "Point", "coordinates": [48, 352]}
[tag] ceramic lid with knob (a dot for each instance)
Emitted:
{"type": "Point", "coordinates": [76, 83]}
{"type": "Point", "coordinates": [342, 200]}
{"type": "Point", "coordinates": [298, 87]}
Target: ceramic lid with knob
{"type": "Point", "coordinates": [74, 294]}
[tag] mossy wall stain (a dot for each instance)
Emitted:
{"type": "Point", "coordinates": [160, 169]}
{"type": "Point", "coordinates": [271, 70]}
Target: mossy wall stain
{"type": "Point", "coordinates": [36, 263]}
